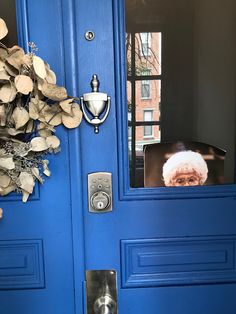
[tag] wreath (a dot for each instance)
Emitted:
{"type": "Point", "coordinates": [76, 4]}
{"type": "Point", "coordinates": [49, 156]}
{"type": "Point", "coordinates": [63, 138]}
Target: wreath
{"type": "Point", "coordinates": [31, 106]}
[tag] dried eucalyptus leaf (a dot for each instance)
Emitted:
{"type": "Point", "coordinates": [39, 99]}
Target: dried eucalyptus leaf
{"type": "Point", "coordinates": [42, 107]}
{"type": "Point", "coordinates": [52, 114]}
{"type": "Point", "coordinates": [53, 141]}
{"type": "Point", "coordinates": [7, 93]}
{"type": "Point", "coordinates": [34, 100]}
{"type": "Point", "coordinates": [33, 111]}
{"type": "Point", "coordinates": [10, 69]}
{"type": "Point", "coordinates": [8, 189]}
{"type": "Point", "coordinates": [46, 170]}
{"type": "Point", "coordinates": [39, 67]}
{"type": "Point", "coordinates": [35, 172]}
{"type": "Point", "coordinates": [2, 65]}
{"type": "Point", "coordinates": [38, 144]}
{"type": "Point", "coordinates": [2, 115]}
{"type": "Point", "coordinates": [40, 83]}
{"type": "Point", "coordinates": [15, 57]}
{"type": "Point", "coordinates": [25, 196]}
{"type": "Point", "coordinates": [53, 118]}
{"type": "Point", "coordinates": [27, 60]}
{"type": "Point", "coordinates": [24, 84]}
{"type": "Point", "coordinates": [14, 132]}
{"type": "Point", "coordinates": [2, 152]}
{"type": "Point", "coordinates": [44, 131]}
{"type": "Point", "coordinates": [4, 76]}
{"type": "Point", "coordinates": [7, 163]}
{"type": "Point", "coordinates": [14, 49]}
{"type": "Point", "coordinates": [3, 29]}
{"type": "Point", "coordinates": [44, 125]}
{"type": "Point", "coordinates": [37, 92]}
{"type": "Point", "coordinates": [3, 53]}
{"type": "Point", "coordinates": [51, 77]}
{"type": "Point", "coordinates": [26, 182]}
{"type": "Point", "coordinates": [30, 126]}
{"type": "Point", "coordinates": [5, 180]}
{"type": "Point", "coordinates": [66, 105]}
{"type": "Point", "coordinates": [74, 121]}
{"type": "Point", "coordinates": [20, 117]}
{"type": "Point", "coordinates": [70, 122]}
{"type": "Point", "coordinates": [54, 92]}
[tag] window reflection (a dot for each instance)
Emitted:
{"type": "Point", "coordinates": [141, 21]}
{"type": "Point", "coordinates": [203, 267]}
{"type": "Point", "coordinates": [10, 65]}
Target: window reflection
{"type": "Point", "coordinates": [144, 96]}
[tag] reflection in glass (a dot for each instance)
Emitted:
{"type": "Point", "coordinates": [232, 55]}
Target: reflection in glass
{"type": "Point", "coordinates": [143, 53]}
{"type": "Point", "coordinates": [181, 58]}
{"type": "Point", "coordinates": [143, 94]}
{"type": "Point", "coordinates": [144, 134]}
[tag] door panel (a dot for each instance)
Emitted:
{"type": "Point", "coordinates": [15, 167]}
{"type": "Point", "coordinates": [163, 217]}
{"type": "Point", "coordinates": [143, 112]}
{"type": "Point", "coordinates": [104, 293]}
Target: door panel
{"type": "Point", "coordinates": [37, 270]}
{"type": "Point", "coordinates": [172, 248]}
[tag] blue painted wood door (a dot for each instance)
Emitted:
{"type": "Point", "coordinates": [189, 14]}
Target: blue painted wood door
{"type": "Point", "coordinates": [174, 251]}
{"type": "Point", "coordinates": [173, 248]}
{"type": "Point", "coordinates": [37, 269]}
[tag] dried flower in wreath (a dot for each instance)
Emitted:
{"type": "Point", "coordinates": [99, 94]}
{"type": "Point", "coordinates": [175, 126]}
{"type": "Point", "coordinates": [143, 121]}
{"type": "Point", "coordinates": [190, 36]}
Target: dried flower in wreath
{"type": "Point", "coordinates": [31, 106]}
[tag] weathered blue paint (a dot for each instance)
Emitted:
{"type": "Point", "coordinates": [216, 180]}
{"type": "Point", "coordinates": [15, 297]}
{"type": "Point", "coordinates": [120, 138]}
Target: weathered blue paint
{"type": "Point", "coordinates": [160, 241]}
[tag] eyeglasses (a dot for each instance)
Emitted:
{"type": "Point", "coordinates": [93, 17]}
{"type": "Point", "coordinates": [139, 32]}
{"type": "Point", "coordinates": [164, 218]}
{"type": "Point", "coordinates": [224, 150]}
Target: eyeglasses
{"type": "Point", "coordinates": [185, 180]}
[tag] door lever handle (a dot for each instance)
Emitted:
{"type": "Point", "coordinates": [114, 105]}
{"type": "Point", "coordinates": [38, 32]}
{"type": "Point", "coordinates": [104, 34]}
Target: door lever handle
{"type": "Point", "coordinates": [104, 305]}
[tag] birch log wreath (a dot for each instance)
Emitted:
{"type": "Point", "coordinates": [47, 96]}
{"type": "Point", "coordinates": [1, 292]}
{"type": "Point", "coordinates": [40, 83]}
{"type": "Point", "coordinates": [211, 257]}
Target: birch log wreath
{"type": "Point", "coordinates": [31, 106]}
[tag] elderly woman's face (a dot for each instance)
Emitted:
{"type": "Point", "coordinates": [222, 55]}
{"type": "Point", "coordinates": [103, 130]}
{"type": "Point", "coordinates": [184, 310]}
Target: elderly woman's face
{"type": "Point", "coordinates": [186, 179]}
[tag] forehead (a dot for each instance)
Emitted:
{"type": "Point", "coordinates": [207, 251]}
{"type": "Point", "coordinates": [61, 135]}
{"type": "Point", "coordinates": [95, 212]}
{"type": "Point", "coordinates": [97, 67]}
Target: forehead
{"type": "Point", "coordinates": [186, 174]}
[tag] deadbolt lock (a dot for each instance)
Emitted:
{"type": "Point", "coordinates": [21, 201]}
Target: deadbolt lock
{"type": "Point", "coordinates": [100, 192]}
{"type": "Point", "coordinates": [100, 200]}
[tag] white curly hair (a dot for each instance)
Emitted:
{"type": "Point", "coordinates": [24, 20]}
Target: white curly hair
{"type": "Point", "coordinates": [184, 162]}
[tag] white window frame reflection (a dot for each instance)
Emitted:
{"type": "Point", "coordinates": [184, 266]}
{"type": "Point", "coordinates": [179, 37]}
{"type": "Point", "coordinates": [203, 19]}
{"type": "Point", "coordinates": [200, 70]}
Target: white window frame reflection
{"type": "Point", "coordinates": [147, 116]}
{"type": "Point", "coordinates": [146, 86]}
{"type": "Point", "coordinates": [145, 43]}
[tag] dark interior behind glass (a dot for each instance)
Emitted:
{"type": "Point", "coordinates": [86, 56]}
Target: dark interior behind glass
{"type": "Point", "coordinates": [181, 82]}
{"type": "Point", "coordinates": [8, 14]}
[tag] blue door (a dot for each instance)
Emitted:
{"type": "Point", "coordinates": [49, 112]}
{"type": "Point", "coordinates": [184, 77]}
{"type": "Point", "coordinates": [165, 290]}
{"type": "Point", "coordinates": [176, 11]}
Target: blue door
{"type": "Point", "coordinates": [173, 247]}
{"type": "Point", "coordinates": [37, 254]}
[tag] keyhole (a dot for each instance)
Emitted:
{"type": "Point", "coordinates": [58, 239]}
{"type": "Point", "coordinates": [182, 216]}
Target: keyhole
{"type": "Point", "coordinates": [89, 35]}
{"type": "Point", "coordinates": [100, 205]}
